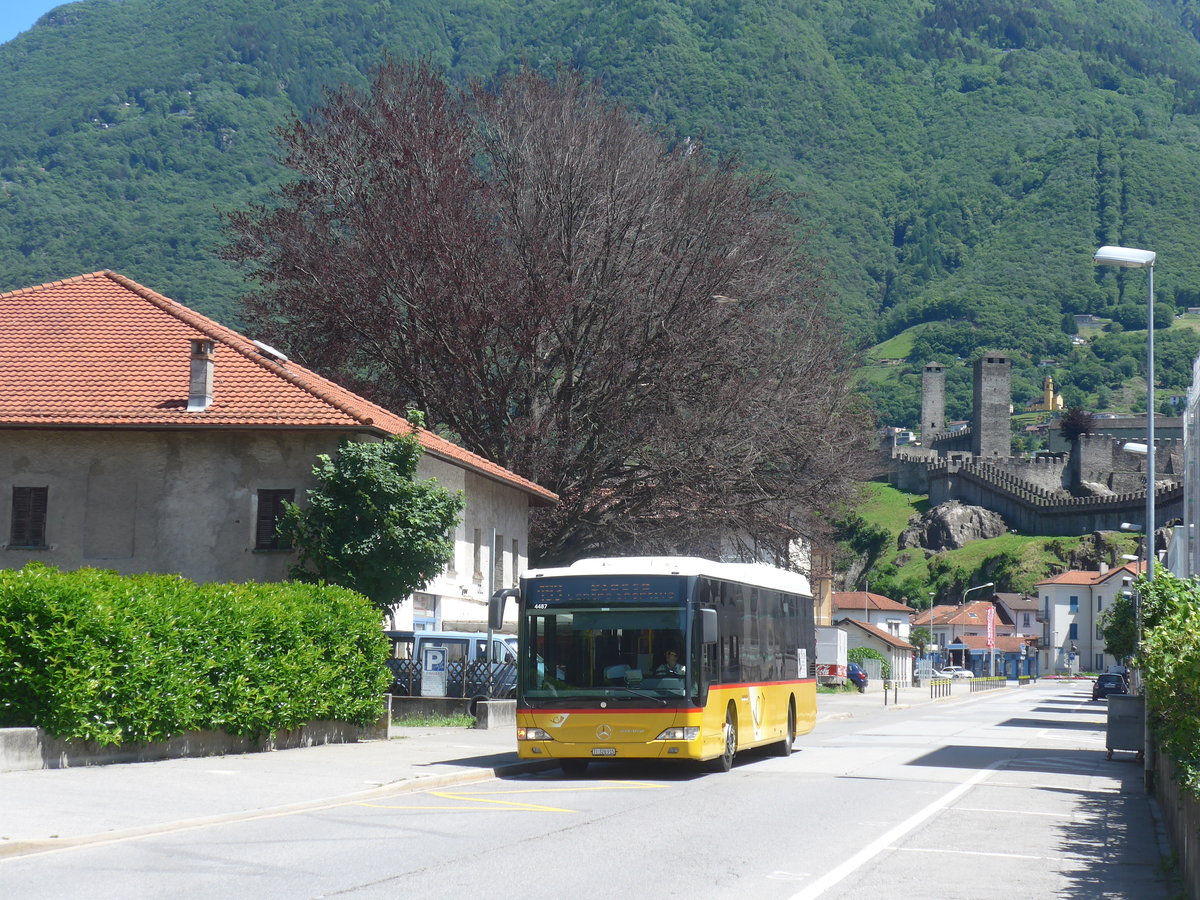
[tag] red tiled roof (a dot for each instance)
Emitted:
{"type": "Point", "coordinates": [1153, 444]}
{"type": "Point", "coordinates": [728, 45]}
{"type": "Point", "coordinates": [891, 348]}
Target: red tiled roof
{"type": "Point", "coordinates": [102, 351]}
{"type": "Point", "coordinates": [867, 600]}
{"type": "Point", "coordinates": [973, 613]}
{"type": "Point", "coordinates": [1077, 576]}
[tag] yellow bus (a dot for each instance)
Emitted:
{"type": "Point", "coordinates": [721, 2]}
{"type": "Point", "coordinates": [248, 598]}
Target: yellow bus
{"type": "Point", "coordinates": [661, 658]}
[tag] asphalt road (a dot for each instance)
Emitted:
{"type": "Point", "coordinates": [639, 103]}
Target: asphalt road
{"type": "Point", "coordinates": [1005, 794]}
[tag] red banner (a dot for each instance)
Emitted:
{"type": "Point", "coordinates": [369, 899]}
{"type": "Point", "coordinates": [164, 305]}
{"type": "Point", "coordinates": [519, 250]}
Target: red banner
{"type": "Point", "coordinates": [991, 625]}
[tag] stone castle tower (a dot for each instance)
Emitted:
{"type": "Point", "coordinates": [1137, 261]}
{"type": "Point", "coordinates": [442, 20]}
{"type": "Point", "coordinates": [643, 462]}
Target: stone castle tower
{"type": "Point", "coordinates": [991, 433]}
{"type": "Point", "coordinates": [933, 401]}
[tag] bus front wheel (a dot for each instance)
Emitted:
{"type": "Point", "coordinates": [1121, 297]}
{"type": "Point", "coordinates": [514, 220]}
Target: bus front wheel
{"type": "Point", "coordinates": [724, 762]}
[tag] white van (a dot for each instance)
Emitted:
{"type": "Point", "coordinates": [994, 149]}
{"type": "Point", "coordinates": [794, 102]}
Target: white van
{"type": "Point", "coordinates": [467, 663]}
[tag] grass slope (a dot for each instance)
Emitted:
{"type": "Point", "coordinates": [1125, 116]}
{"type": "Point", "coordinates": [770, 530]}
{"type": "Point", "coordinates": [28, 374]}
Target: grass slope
{"type": "Point", "coordinates": [1014, 561]}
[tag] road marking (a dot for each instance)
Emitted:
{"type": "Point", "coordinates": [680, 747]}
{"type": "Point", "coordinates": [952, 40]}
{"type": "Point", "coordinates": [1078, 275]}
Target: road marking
{"type": "Point", "coordinates": [499, 805]}
{"type": "Point", "coordinates": [1014, 812]}
{"type": "Point", "coordinates": [884, 841]}
{"type": "Point", "coordinates": [482, 797]}
{"type": "Point", "coordinates": [977, 853]}
{"type": "Point", "coordinates": [779, 875]}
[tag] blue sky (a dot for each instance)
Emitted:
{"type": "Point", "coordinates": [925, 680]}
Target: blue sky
{"type": "Point", "coordinates": [19, 15]}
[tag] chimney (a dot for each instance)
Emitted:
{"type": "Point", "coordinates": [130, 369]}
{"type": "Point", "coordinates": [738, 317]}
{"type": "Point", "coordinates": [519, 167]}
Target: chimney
{"type": "Point", "coordinates": [200, 385]}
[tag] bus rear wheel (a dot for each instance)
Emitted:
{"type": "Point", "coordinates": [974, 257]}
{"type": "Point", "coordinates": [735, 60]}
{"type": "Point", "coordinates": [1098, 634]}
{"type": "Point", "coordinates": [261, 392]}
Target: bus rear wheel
{"type": "Point", "coordinates": [573, 766]}
{"type": "Point", "coordinates": [724, 762]}
{"type": "Point", "coordinates": [784, 747]}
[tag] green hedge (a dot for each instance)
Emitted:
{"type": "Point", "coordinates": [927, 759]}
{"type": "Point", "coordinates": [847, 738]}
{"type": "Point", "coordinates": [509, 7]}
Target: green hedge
{"type": "Point", "coordinates": [1170, 663]}
{"type": "Point", "coordinates": [110, 658]}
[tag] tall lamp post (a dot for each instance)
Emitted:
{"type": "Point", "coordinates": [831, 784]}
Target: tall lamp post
{"type": "Point", "coordinates": [977, 587]}
{"type": "Point", "coordinates": [1132, 258]}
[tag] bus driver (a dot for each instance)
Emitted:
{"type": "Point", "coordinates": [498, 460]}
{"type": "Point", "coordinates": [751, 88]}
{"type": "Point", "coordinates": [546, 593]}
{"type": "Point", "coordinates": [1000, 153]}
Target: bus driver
{"type": "Point", "coordinates": [670, 664]}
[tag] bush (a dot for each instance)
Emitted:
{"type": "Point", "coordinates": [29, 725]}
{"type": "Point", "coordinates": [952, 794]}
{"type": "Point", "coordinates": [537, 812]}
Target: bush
{"type": "Point", "coordinates": [99, 656]}
{"type": "Point", "coordinates": [1170, 662]}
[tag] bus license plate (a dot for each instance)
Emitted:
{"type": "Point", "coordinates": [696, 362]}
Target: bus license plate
{"type": "Point", "coordinates": [604, 751]}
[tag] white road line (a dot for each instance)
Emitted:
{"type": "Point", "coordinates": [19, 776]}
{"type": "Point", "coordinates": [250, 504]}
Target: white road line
{"type": "Point", "coordinates": [976, 853]}
{"type": "Point", "coordinates": [884, 841]}
{"type": "Point", "coordinates": [1013, 812]}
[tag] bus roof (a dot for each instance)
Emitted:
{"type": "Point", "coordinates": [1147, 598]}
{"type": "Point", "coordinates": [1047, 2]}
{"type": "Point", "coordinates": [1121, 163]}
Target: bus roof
{"type": "Point", "coordinates": [755, 574]}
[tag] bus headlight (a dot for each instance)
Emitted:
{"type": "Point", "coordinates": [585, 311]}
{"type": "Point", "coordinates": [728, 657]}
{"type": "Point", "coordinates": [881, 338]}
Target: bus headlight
{"type": "Point", "coordinates": [529, 733]}
{"type": "Point", "coordinates": [690, 733]}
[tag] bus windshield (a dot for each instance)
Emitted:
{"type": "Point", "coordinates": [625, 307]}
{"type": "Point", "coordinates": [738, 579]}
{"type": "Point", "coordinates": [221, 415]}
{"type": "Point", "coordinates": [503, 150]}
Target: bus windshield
{"type": "Point", "coordinates": [626, 653]}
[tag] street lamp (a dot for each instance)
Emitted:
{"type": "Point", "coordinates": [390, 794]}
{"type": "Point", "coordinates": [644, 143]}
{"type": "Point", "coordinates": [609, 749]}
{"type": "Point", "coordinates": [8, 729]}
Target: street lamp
{"type": "Point", "coordinates": [1136, 528]}
{"type": "Point", "coordinates": [977, 587]}
{"type": "Point", "coordinates": [1131, 258]}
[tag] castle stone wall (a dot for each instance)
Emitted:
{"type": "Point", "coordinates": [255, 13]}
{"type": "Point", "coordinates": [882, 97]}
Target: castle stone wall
{"type": "Point", "coordinates": [1049, 473]}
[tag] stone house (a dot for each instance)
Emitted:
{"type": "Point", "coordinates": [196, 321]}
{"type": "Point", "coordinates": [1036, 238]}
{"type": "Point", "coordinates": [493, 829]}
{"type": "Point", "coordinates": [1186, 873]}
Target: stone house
{"type": "Point", "coordinates": [140, 436]}
{"type": "Point", "coordinates": [1072, 604]}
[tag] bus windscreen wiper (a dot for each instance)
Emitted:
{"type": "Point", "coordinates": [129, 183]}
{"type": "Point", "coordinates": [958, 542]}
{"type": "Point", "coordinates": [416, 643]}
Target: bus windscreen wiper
{"type": "Point", "coordinates": [643, 694]}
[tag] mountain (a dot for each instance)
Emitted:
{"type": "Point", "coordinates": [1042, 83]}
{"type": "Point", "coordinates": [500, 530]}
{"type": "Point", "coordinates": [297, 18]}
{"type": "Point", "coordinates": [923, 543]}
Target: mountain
{"type": "Point", "coordinates": [957, 161]}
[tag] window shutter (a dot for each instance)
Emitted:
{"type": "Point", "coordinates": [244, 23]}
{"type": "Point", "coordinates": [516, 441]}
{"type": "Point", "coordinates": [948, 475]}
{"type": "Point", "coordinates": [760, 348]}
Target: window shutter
{"type": "Point", "coordinates": [29, 508]}
{"type": "Point", "coordinates": [270, 508]}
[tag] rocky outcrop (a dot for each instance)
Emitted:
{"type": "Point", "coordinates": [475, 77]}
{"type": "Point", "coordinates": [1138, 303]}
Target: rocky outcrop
{"type": "Point", "coordinates": [952, 525]}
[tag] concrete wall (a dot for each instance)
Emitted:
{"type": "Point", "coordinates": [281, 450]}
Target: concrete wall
{"type": "Point", "coordinates": [157, 501]}
{"type": "Point", "coordinates": [23, 749]}
{"type": "Point", "coordinates": [186, 503]}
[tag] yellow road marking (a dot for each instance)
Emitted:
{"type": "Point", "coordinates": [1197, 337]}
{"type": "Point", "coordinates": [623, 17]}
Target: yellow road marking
{"type": "Point", "coordinates": [481, 797]}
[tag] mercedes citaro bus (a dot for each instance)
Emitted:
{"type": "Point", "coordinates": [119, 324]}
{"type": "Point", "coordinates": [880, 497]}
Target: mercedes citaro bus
{"type": "Point", "coordinates": [661, 658]}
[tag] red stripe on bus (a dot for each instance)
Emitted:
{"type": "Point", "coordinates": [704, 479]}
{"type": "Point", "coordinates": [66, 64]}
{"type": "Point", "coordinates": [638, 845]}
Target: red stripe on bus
{"type": "Point", "coordinates": [762, 683]}
{"type": "Point", "coordinates": [609, 711]}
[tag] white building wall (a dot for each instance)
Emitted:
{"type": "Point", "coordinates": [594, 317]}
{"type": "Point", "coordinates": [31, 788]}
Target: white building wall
{"type": "Point", "coordinates": [1056, 639]}
{"type": "Point", "coordinates": [493, 512]}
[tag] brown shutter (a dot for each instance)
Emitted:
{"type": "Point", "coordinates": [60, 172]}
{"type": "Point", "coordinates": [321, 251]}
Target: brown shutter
{"type": "Point", "coordinates": [270, 508]}
{"type": "Point", "coordinates": [29, 516]}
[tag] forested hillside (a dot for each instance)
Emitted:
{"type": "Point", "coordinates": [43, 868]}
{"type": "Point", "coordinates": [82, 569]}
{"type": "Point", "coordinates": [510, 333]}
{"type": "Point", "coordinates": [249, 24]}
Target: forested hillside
{"type": "Point", "coordinates": [957, 161]}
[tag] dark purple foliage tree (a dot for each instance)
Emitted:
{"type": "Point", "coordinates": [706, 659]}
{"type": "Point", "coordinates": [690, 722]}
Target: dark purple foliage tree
{"type": "Point", "coordinates": [628, 322]}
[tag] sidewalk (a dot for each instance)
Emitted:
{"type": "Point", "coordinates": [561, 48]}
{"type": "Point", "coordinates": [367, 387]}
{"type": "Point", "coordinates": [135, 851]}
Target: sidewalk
{"type": "Point", "coordinates": [57, 807]}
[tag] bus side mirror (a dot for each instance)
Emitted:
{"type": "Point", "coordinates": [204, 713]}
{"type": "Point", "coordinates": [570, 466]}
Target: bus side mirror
{"type": "Point", "coordinates": [496, 607]}
{"type": "Point", "coordinates": [708, 626]}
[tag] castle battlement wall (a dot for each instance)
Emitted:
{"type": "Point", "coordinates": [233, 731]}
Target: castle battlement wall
{"type": "Point", "coordinates": [1096, 487]}
{"type": "Point", "coordinates": [1039, 511]}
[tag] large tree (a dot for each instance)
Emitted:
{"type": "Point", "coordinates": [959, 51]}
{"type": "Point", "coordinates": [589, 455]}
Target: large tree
{"type": "Point", "coordinates": [621, 318]}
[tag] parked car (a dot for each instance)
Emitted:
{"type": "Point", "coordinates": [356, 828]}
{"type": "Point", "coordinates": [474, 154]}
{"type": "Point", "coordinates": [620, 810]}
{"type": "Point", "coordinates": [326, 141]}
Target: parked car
{"type": "Point", "coordinates": [1109, 683]}
{"type": "Point", "coordinates": [954, 672]}
{"type": "Point", "coordinates": [857, 676]}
